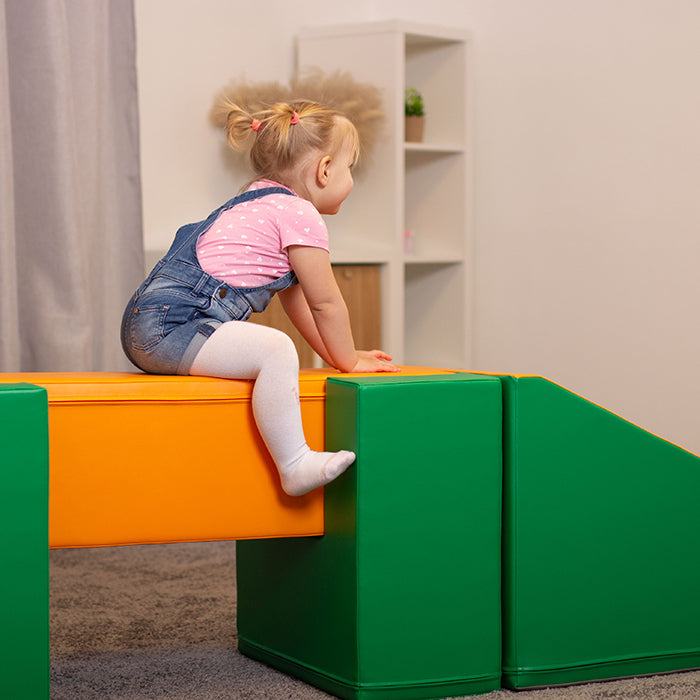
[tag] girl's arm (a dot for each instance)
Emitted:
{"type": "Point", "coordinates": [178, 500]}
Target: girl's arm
{"type": "Point", "coordinates": [295, 306]}
{"type": "Point", "coordinates": [297, 309]}
{"type": "Point", "coordinates": [329, 314]}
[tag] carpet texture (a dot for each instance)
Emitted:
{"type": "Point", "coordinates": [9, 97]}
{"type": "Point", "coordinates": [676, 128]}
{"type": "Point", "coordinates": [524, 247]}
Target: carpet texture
{"type": "Point", "coordinates": [159, 621]}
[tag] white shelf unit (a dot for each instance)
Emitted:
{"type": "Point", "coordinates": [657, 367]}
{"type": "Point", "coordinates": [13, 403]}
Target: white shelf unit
{"type": "Point", "coordinates": [423, 188]}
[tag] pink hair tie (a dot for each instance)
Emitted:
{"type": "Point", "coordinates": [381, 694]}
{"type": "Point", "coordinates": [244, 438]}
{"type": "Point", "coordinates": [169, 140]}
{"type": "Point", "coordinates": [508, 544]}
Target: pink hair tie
{"type": "Point", "coordinates": [255, 124]}
{"type": "Point", "coordinates": [295, 118]}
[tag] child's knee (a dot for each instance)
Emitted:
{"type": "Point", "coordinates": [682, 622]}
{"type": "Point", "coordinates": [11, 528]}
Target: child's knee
{"type": "Point", "coordinates": [282, 349]}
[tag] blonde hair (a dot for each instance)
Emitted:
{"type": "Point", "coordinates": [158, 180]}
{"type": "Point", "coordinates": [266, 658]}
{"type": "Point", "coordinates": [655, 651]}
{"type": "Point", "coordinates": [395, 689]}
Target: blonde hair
{"type": "Point", "coordinates": [282, 137]}
{"type": "Point", "coordinates": [331, 108]}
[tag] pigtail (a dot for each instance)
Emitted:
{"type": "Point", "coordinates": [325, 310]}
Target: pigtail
{"type": "Point", "coordinates": [236, 121]}
{"type": "Point", "coordinates": [238, 126]}
{"type": "Point", "coordinates": [281, 118]}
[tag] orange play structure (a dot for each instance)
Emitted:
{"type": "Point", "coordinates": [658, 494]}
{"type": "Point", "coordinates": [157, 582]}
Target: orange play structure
{"type": "Point", "coordinates": [137, 458]}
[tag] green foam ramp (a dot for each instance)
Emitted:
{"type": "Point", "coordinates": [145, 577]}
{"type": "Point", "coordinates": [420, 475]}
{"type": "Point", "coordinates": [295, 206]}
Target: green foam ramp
{"type": "Point", "coordinates": [401, 597]}
{"type": "Point", "coordinates": [601, 564]}
{"type": "Point", "coordinates": [24, 547]}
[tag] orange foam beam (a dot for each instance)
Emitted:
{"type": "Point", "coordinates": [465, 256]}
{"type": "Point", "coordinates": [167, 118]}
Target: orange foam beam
{"type": "Point", "coordinates": [138, 458]}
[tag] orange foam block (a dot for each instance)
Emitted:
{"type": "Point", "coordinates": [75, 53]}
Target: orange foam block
{"type": "Point", "coordinates": [137, 458]}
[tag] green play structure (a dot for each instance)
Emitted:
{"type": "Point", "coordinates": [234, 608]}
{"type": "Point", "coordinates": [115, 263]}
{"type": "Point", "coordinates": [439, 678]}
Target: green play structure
{"type": "Point", "coordinates": [24, 548]}
{"type": "Point", "coordinates": [401, 597]}
{"type": "Point", "coordinates": [496, 530]}
{"type": "Point", "coordinates": [600, 556]}
{"type": "Point", "coordinates": [601, 545]}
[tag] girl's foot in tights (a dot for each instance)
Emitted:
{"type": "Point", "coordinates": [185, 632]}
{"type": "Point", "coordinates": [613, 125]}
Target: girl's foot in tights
{"type": "Point", "coordinates": [314, 469]}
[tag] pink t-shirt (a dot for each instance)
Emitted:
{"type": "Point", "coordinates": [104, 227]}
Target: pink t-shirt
{"type": "Point", "coordinates": [247, 245]}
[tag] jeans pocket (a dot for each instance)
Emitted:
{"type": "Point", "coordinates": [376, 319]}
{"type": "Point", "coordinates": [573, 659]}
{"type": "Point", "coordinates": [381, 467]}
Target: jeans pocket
{"type": "Point", "coordinates": [147, 326]}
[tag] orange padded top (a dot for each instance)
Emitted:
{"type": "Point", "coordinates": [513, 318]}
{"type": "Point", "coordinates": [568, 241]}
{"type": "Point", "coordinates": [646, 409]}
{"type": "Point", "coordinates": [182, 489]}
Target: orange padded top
{"type": "Point", "coordinates": [70, 387]}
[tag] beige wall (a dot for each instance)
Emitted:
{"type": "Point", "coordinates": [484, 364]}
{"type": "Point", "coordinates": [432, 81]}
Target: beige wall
{"type": "Point", "coordinates": [586, 174]}
{"type": "Point", "coordinates": [588, 202]}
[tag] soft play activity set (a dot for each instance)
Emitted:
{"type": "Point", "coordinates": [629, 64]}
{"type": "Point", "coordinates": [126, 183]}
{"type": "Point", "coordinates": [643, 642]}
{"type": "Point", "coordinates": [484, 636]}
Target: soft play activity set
{"type": "Point", "coordinates": [495, 530]}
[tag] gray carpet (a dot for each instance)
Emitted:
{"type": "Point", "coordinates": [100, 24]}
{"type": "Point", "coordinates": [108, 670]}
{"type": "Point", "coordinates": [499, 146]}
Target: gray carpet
{"type": "Point", "coordinates": [159, 621]}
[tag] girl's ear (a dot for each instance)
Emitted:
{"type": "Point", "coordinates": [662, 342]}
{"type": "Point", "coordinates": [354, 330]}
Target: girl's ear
{"type": "Point", "coordinates": [322, 171]}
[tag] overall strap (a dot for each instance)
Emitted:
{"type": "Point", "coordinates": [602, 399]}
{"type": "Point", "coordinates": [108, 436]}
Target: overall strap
{"type": "Point", "coordinates": [255, 194]}
{"type": "Point", "coordinates": [196, 230]}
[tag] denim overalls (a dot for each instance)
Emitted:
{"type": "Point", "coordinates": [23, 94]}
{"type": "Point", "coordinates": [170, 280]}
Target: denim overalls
{"type": "Point", "coordinates": [179, 305]}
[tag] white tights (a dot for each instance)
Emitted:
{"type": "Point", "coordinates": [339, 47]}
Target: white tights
{"type": "Point", "coordinates": [241, 350]}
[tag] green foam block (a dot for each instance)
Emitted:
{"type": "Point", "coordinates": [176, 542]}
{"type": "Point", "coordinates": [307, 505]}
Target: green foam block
{"type": "Point", "coordinates": [601, 526]}
{"type": "Point", "coordinates": [24, 545]}
{"type": "Point", "coordinates": [401, 597]}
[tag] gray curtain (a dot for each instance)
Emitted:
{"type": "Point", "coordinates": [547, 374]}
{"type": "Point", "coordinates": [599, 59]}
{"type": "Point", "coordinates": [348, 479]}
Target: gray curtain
{"type": "Point", "coordinates": [70, 193]}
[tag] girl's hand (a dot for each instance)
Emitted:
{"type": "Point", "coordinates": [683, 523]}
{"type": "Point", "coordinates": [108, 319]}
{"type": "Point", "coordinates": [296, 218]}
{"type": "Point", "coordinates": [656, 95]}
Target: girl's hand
{"type": "Point", "coordinates": [374, 361]}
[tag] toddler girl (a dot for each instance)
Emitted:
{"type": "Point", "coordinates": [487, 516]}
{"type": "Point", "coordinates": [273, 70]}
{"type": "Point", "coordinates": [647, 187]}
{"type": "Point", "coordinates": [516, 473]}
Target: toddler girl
{"type": "Point", "coordinates": [189, 316]}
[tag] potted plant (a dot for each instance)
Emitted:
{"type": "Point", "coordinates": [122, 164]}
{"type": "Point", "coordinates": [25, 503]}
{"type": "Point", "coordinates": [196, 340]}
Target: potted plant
{"type": "Point", "coordinates": [415, 115]}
